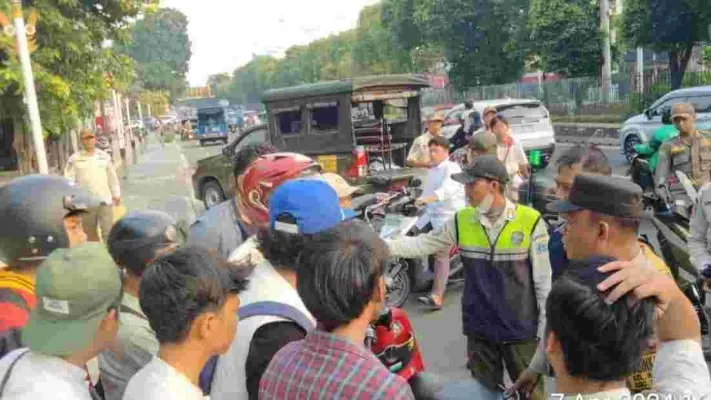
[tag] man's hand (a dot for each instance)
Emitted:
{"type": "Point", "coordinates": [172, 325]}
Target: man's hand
{"type": "Point", "coordinates": [117, 201]}
{"type": "Point", "coordinates": [676, 316]}
{"type": "Point", "coordinates": [423, 201]}
{"type": "Point", "coordinates": [525, 384]}
{"type": "Point", "coordinates": [642, 281]}
{"type": "Point", "coordinates": [662, 192]}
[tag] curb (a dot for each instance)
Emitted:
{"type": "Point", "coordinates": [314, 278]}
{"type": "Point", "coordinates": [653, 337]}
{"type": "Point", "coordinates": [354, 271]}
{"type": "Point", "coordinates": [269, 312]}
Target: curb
{"type": "Point", "coordinates": [612, 142]}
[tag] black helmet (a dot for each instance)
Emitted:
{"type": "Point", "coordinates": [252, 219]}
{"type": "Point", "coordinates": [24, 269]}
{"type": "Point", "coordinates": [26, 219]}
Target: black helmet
{"type": "Point", "coordinates": [135, 238]}
{"type": "Point", "coordinates": [32, 212]}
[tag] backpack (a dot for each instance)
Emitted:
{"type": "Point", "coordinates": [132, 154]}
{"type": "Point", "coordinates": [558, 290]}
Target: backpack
{"type": "Point", "coordinates": [260, 308]}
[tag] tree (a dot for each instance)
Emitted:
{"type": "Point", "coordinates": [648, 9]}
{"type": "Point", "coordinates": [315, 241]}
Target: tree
{"type": "Point", "coordinates": [674, 26]}
{"type": "Point", "coordinates": [70, 60]}
{"type": "Point", "coordinates": [482, 40]}
{"type": "Point", "coordinates": [161, 48]}
{"type": "Point", "coordinates": [374, 51]}
{"type": "Point", "coordinates": [564, 35]}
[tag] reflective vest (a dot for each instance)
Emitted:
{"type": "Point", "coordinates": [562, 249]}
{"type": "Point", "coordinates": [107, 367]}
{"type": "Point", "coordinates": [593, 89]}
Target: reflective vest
{"type": "Point", "coordinates": [499, 302]}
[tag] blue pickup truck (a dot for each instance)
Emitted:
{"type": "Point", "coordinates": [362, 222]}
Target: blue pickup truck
{"type": "Point", "coordinates": [212, 125]}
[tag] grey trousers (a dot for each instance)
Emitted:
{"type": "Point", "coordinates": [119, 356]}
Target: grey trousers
{"type": "Point", "coordinates": [101, 217]}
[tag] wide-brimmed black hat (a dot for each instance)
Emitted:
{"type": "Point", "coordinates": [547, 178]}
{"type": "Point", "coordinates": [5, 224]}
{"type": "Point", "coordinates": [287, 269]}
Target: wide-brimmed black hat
{"type": "Point", "coordinates": [609, 195]}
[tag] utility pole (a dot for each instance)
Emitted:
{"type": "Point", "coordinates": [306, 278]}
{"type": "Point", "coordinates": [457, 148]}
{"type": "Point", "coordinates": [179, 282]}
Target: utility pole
{"type": "Point", "coordinates": [640, 70]}
{"type": "Point", "coordinates": [30, 93]}
{"type": "Point", "coordinates": [607, 62]}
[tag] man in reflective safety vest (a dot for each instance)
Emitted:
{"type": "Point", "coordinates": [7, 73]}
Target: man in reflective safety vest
{"type": "Point", "coordinates": [504, 248]}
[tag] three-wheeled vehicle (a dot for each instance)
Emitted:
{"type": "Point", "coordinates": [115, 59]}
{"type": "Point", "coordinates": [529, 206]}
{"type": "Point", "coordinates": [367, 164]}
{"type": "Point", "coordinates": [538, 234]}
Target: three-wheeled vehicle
{"type": "Point", "coordinates": [211, 125]}
{"type": "Point", "coordinates": [359, 128]}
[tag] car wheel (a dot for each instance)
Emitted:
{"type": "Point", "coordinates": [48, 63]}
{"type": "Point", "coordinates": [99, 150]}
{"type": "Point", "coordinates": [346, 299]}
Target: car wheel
{"type": "Point", "coordinates": [212, 194]}
{"type": "Point", "coordinates": [397, 283]}
{"type": "Point", "coordinates": [628, 149]}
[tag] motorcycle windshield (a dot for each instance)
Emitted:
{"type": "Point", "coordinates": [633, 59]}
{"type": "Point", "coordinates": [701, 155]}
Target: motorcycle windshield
{"type": "Point", "coordinates": [395, 225]}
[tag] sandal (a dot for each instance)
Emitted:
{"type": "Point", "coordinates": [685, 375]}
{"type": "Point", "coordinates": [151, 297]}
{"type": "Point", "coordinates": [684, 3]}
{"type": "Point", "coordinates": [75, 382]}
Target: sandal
{"type": "Point", "coordinates": [430, 302]}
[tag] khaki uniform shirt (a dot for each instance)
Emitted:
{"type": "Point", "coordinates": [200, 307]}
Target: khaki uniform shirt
{"type": "Point", "coordinates": [690, 157]}
{"type": "Point", "coordinates": [96, 173]}
{"type": "Point", "coordinates": [420, 151]}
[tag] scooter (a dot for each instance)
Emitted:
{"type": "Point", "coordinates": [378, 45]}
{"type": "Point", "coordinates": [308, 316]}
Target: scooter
{"type": "Point", "coordinates": [392, 339]}
{"type": "Point", "coordinates": [395, 215]}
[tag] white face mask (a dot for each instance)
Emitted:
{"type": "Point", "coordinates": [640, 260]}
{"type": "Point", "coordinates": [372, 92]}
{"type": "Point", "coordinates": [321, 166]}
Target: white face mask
{"type": "Point", "coordinates": [485, 206]}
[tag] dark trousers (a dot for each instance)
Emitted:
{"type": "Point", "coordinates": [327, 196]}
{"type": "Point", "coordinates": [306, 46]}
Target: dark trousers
{"type": "Point", "coordinates": [487, 360]}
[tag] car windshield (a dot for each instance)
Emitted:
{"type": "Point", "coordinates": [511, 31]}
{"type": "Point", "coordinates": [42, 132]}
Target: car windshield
{"type": "Point", "coordinates": [522, 113]}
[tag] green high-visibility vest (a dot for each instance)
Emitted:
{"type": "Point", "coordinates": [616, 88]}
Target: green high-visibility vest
{"type": "Point", "coordinates": [499, 301]}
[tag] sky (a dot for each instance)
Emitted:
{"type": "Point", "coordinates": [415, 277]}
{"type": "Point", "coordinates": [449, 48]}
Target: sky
{"type": "Point", "coordinates": [225, 33]}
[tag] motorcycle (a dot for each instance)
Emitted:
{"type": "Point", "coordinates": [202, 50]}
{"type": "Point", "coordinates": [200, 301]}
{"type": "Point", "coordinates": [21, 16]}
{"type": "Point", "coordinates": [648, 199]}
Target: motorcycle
{"type": "Point", "coordinates": [672, 224]}
{"type": "Point", "coordinates": [392, 339]}
{"type": "Point", "coordinates": [395, 215]}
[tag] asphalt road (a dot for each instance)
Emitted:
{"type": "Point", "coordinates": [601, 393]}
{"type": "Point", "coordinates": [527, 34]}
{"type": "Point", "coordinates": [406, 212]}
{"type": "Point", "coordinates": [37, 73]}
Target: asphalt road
{"type": "Point", "coordinates": [161, 180]}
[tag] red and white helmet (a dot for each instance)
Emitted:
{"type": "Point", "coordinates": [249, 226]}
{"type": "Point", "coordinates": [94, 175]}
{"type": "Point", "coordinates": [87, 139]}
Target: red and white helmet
{"type": "Point", "coordinates": [263, 175]}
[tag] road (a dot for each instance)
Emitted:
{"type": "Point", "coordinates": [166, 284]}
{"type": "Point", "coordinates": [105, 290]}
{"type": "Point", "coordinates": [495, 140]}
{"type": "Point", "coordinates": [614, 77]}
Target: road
{"type": "Point", "coordinates": [161, 180]}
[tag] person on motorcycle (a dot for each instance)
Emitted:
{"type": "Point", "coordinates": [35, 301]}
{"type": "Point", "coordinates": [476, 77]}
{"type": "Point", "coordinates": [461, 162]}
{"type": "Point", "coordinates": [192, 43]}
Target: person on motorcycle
{"type": "Point", "coordinates": [134, 242]}
{"type": "Point", "coordinates": [443, 197]}
{"type": "Point", "coordinates": [39, 214]}
{"type": "Point", "coordinates": [686, 153]}
{"type": "Point", "coordinates": [650, 150]}
{"type": "Point", "coordinates": [504, 248]}
{"type": "Point", "coordinates": [341, 281]}
{"type": "Point", "coordinates": [226, 226]}
{"type": "Point", "coordinates": [272, 314]}
{"type": "Point", "coordinates": [602, 216]}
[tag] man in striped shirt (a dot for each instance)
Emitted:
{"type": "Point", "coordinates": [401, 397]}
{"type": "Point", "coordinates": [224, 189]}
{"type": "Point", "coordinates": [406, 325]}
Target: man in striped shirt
{"type": "Point", "coordinates": [341, 283]}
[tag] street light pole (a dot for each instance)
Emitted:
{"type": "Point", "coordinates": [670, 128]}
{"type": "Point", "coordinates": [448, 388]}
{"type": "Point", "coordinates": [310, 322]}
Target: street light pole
{"type": "Point", "coordinates": [30, 94]}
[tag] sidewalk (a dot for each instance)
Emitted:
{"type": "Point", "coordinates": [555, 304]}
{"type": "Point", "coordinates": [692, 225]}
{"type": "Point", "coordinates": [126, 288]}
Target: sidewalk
{"type": "Point", "coordinates": [161, 180]}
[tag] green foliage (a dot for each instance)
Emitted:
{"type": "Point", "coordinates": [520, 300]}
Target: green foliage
{"type": "Point", "coordinates": [565, 35]}
{"type": "Point", "coordinates": [674, 26]}
{"type": "Point", "coordinates": [160, 47]}
{"type": "Point", "coordinates": [366, 50]}
{"type": "Point", "coordinates": [69, 63]}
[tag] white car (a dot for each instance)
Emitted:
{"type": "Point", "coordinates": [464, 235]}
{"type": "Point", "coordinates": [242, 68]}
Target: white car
{"type": "Point", "coordinates": [641, 127]}
{"type": "Point", "coordinates": [529, 119]}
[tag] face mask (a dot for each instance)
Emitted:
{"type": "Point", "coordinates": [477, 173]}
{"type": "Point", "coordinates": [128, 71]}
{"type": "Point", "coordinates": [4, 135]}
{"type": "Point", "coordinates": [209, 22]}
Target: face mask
{"type": "Point", "coordinates": [485, 206]}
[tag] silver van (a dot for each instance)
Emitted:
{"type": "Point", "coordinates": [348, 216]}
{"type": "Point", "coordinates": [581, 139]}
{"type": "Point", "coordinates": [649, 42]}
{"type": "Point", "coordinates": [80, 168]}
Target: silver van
{"type": "Point", "coordinates": [641, 127]}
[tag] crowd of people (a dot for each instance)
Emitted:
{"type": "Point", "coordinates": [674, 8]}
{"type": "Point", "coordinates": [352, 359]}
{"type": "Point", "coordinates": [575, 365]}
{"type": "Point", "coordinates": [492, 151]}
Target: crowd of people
{"type": "Point", "coordinates": [270, 294]}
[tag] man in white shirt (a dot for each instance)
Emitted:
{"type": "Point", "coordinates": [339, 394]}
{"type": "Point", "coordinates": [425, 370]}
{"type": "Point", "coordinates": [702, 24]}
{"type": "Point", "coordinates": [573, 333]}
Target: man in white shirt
{"type": "Point", "coordinates": [597, 317]}
{"type": "Point", "coordinates": [78, 295]}
{"type": "Point", "coordinates": [93, 169]}
{"type": "Point", "coordinates": [443, 197]}
{"type": "Point", "coordinates": [419, 156]}
{"type": "Point", "coordinates": [190, 300]}
{"type": "Point", "coordinates": [511, 153]}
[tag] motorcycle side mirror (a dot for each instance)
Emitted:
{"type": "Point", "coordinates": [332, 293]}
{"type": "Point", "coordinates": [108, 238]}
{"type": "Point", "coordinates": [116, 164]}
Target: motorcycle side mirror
{"type": "Point", "coordinates": [227, 151]}
{"type": "Point", "coordinates": [415, 183]}
{"type": "Point", "coordinates": [648, 113]}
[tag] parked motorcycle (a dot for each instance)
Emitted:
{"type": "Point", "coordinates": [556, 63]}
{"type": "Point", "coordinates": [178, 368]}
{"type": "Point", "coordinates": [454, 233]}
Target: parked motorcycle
{"type": "Point", "coordinates": [394, 215]}
{"type": "Point", "coordinates": [672, 224]}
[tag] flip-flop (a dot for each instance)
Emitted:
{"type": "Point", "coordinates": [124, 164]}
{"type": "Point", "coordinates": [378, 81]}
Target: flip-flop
{"type": "Point", "coordinates": [429, 301]}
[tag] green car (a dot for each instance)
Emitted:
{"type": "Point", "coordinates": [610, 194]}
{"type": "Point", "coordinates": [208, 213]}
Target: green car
{"type": "Point", "coordinates": [360, 128]}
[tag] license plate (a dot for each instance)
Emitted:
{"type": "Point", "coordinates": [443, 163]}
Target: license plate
{"type": "Point", "coordinates": [328, 163]}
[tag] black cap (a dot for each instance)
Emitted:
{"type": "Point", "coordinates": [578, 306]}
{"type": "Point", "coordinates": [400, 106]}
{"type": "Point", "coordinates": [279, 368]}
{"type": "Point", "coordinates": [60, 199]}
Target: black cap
{"type": "Point", "coordinates": [486, 167]}
{"type": "Point", "coordinates": [609, 195]}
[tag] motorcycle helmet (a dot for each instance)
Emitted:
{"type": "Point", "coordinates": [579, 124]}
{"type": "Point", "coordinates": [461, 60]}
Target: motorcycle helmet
{"type": "Point", "coordinates": [135, 240]}
{"type": "Point", "coordinates": [262, 176]}
{"type": "Point", "coordinates": [32, 211]}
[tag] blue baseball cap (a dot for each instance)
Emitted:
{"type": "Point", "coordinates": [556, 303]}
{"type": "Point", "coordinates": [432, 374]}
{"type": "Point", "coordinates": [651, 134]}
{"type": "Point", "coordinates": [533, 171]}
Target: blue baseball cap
{"type": "Point", "coordinates": [312, 205]}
